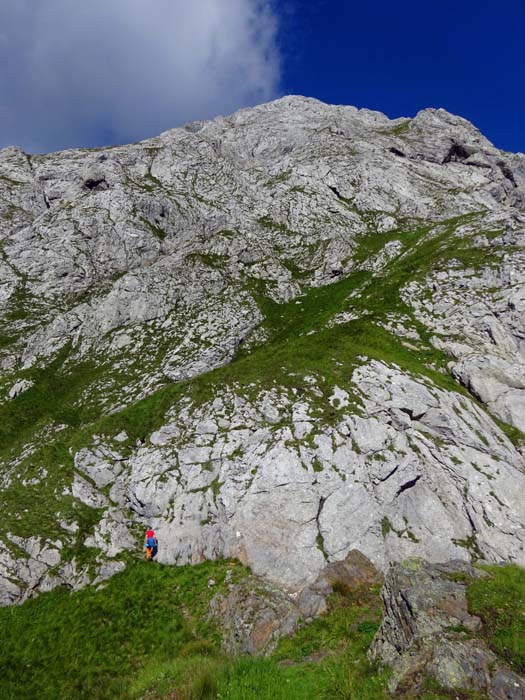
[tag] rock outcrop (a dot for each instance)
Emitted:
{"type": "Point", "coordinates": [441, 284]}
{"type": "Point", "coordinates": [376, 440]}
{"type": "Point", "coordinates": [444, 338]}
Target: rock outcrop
{"type": "Point", "coordinates": [280, 335]}
{"type": "Point", "coordinates": [253, 615]}
{"type": "Point", "coordinates": [428, 631]}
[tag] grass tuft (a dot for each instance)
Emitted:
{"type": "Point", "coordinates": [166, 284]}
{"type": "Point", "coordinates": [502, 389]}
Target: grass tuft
{"type": "Point", "coordinates": [500, 602]}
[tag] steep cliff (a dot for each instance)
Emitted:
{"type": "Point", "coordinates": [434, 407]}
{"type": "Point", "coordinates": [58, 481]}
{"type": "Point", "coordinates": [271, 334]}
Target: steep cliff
{"type": "Point", "coordinates": [280, 336]}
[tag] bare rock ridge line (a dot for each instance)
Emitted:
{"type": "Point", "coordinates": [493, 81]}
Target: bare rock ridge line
{"type": "Point", "coordinates": [280, 336]}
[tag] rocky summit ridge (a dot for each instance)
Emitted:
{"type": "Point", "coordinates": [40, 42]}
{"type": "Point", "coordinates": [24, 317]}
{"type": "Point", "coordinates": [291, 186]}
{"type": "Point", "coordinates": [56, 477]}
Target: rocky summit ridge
{"type": "Point", "coordinates": [279, 336]}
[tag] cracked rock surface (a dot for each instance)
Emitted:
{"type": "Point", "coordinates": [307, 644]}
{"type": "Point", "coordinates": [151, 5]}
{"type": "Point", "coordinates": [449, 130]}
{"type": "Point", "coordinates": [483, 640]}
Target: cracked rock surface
{"type": "Point", "coordinates": [280, 336]}
{"type": "Point", "coordinates": [425, 610]}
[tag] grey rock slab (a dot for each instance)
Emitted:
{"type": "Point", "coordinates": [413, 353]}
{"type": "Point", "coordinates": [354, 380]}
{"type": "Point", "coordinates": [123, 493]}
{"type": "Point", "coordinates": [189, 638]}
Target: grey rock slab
{"type": "Point", "coordinates": [19, 387]}
{"type": "Point", "coordinates": [146, 265]}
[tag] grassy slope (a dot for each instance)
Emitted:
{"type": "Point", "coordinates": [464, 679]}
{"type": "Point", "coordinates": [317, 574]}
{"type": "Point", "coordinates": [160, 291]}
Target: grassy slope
{"type": "Point", "coordinates": [144, 637]}
{"type": "Point", "coordinates": [327, 659]}
{"type": "Point", "coordinates": [90, 644]}
{"type": "Point", "coordinates": [500, 602]}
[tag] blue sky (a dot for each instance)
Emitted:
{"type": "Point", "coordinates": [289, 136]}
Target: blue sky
{"type": "Point", "coordinates": [113, 71]}
{"type": "Point", "coordinates": [467, 56]}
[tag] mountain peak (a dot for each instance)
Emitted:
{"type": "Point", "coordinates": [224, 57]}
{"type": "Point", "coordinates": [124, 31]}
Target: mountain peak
{"type": "Point", "coordinates": [278, 336]}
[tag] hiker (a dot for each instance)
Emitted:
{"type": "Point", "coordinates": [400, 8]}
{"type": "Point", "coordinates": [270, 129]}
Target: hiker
{"type": "Point", "coordinates": [151, 544]}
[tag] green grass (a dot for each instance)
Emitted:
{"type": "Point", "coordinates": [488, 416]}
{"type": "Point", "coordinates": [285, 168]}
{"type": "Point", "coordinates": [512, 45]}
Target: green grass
{"type": "Point", "coordinates": [209, 259]}
{"type": "Point", "coordinates": [373, 297]}
{"type": "Point", "coordinates": [325, 660]}
{"type": "Point", "coordinates": [31, 508]}
{"type": "Point", "coordinates": [145, 636]}
{"type": "Point", "coordinates": [10, 181]}
{"type": "Point", "coordinates": [194, 677]}
{"type": "Point", "coordinates": [92, 645]}
{"type": "Point", "coordinates": [386, 526]}
{"type": "Point", "coordinates": [20, 305]}
{"type": "Point", "coordinates": [154, 230]}
{"type": "Point", "coordinates": [34, 508]}
{"type": "Point", "coordinates": [53, 397]}
{"type": "Point", "coordinates": [396, 130]}
{"type": "Point", "coordinates": [268, 223]}
{"type": "Point", "coordinates": [217, 678]}
{"type": "Point", "coordinates": [7, 340]}
{"type": "Point", "coordinates": [277, 179]}
{"type": "Point", "coordinates": [500, 602]}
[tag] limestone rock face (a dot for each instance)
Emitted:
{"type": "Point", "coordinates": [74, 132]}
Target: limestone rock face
{"type": "Point", "coordinates": [280, 335]}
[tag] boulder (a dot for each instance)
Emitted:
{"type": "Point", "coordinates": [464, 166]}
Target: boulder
{"type": "Point", "coordinates": [354, 572]}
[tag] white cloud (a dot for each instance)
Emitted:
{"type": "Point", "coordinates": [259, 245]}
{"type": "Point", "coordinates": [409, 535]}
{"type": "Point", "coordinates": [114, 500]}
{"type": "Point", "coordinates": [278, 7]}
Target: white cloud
{"type": "Point", "coordinates": [85, 72]}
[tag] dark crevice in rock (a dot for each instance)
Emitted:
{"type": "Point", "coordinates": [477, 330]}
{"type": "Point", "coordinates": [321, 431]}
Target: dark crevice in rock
{"type": "Point", "coordinates": [162, 215]}
{"type": "Point", "coordinates": [320, 509]}
{"type": "Point", "coordinates": [472, 523]}
{"type": "Point", "coordinates": [412, 414]}
{"type": "Point", "coordinates": [457, 153]}
{"type": "Point", "coordinates": [96, 184]}
{"type": "Point", "coordinates": [397, 152]}
{"type": "Point", "coordinates": [465, 383]}
{"type": "Point", "coordinates": [507, 172]}
{"type": "Point", "coordinates": [29, 162]}
{"type": "Point", "coordinates": [394, 470]}
{"type": "Point", "coordinates": [408, 485]}
{"type": "Point", "coordinates": [136, 505]}
{"type": "Point", "coordinates": [336, 192]}
{"type": "Point", "coordinates": [320, 538]}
